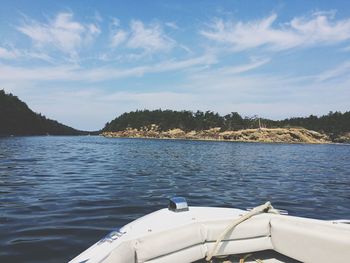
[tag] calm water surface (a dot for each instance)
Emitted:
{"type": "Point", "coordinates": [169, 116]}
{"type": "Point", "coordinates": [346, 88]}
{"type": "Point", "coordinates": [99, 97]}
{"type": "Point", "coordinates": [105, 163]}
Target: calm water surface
{"type": "Point", "coordinates": [59, 195]}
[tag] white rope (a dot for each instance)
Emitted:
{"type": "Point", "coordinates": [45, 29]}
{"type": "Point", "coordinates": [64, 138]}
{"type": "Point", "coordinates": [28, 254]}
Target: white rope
{"type": "Point", "coordinates": [265, 208]}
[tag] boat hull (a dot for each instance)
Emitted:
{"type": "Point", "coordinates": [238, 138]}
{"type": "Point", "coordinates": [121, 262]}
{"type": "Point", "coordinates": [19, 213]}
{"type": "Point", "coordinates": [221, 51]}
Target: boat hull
{"type": "Point", "coordinates": [188, 236]}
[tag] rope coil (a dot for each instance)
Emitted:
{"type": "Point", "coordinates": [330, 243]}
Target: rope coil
{"type": "Point", "coordinates": [265, 208]}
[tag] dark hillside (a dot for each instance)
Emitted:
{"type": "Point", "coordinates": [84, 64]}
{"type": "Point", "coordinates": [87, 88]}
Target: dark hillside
{"type": "Point", "coordinates": [16, 118]}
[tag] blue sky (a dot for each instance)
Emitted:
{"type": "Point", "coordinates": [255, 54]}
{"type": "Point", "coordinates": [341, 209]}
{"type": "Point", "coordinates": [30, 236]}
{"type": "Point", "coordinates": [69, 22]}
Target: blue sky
{"type": "Point", "coordinates": [85, 62]}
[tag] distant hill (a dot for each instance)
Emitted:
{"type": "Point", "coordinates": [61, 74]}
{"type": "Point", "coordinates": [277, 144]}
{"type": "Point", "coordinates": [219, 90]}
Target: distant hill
{"type": "Point", "coordinates": [16, 118]}
{"type": "Point", "coordinates": [335, 124]}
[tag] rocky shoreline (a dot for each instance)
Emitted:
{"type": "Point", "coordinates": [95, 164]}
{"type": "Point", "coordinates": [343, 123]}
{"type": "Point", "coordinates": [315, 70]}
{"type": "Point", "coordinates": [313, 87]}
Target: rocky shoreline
{"type": "Point", "coordinates": [265, 135]}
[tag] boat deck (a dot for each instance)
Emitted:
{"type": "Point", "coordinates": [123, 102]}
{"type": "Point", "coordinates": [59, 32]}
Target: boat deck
{"type": "Point", "coordinates": [267, 256]}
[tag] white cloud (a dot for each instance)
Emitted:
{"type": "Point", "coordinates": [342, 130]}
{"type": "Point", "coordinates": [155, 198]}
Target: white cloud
{"type": "Point", "coordinates": [63, 33]}
{"type": "Point", "coordinates": [207, 59]}
{"type": "Point", "coordinates": [11, 54]}
{"type": "Point", "coordinates": [115, 22]}
{"type": "Point", "coordinates": [74, 73]}
{"type": "Point", "coordinates": [118, 38]}
{"type": "Point", "coordinates": [8, 54]}
{"type": "Point", "coordinates": [339, 71]}
{"type": "Point", "coordinates": [36, 55]}
{"type": "Point", "coordinates": [100, 74]}
{"type": "Point", "coordinates": [255, 63]}
{"type": "Point", "coordinates": [318, 29]}
{"type": "Point", "coordinates": [11, 73]}
{"type": "Point", "coordinates": [149, 38]}
{"type": "Point", "coordinates": [172, 25]}
{"type": "Point", "coordinates": [94, 29]}
{"type": "Point", "coordinates": [150, 100]}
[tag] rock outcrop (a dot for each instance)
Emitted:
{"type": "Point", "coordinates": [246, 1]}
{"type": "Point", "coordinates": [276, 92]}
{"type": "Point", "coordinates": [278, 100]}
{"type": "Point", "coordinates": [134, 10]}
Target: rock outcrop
{"type": "Point", "coordinates": [342, 138]}
{"type": "Point", "coordinates": [268, 135]}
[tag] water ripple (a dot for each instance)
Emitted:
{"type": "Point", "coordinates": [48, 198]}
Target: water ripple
{"type": "Point", "coordinates": [59, 195]}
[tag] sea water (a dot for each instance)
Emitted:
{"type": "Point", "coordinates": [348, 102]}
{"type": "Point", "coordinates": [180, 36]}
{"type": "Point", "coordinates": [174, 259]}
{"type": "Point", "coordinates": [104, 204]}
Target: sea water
{"type": "Point", "coordinates": [59, 195]}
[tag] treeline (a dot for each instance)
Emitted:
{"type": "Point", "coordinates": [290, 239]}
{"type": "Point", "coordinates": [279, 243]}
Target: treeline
{"type": "Point", "coordinates": [333, 123]}
{"type": "Point", "coordinates": [16, 118]}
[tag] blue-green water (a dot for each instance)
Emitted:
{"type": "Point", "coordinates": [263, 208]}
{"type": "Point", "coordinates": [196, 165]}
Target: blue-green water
{"type": "Point", "coordinates": [59, 195]}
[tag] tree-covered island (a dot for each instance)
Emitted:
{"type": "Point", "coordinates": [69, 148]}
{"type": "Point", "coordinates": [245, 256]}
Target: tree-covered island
{"type": "Point", "coordinates": [333, 127]}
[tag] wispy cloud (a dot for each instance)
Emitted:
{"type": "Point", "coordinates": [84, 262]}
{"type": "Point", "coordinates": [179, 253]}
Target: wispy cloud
{"type": "Point", "coordinates": [118, 38]}
{"type": "Point", "coordinates": [75, 73]}
{"type": "Point", "coordinates": [172, 25]}
{"type": "Point", "coordinates": [318, 29]}
{"type": "Point", "coordinates": [16, 54]}
{"type": "Point", "coordinates": [117, 35]}
{"type": "Point", "coordinates": [12, 73]}
{"type": "Point", "coordinates": [150, 38]}
{"type": "Point", "coordinates": [8, 54]}
{"type": "Point", "coordinates": [63, 33]}
{"type": "Point", "coordinates": [337, 72]}
{"type": "Point", "coordinates": [255, 63]}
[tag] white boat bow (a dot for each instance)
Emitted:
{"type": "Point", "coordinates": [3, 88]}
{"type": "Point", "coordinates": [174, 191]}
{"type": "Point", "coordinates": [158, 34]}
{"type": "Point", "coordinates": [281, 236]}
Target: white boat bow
{"type": "Point", "coordinates": [182, 234]}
